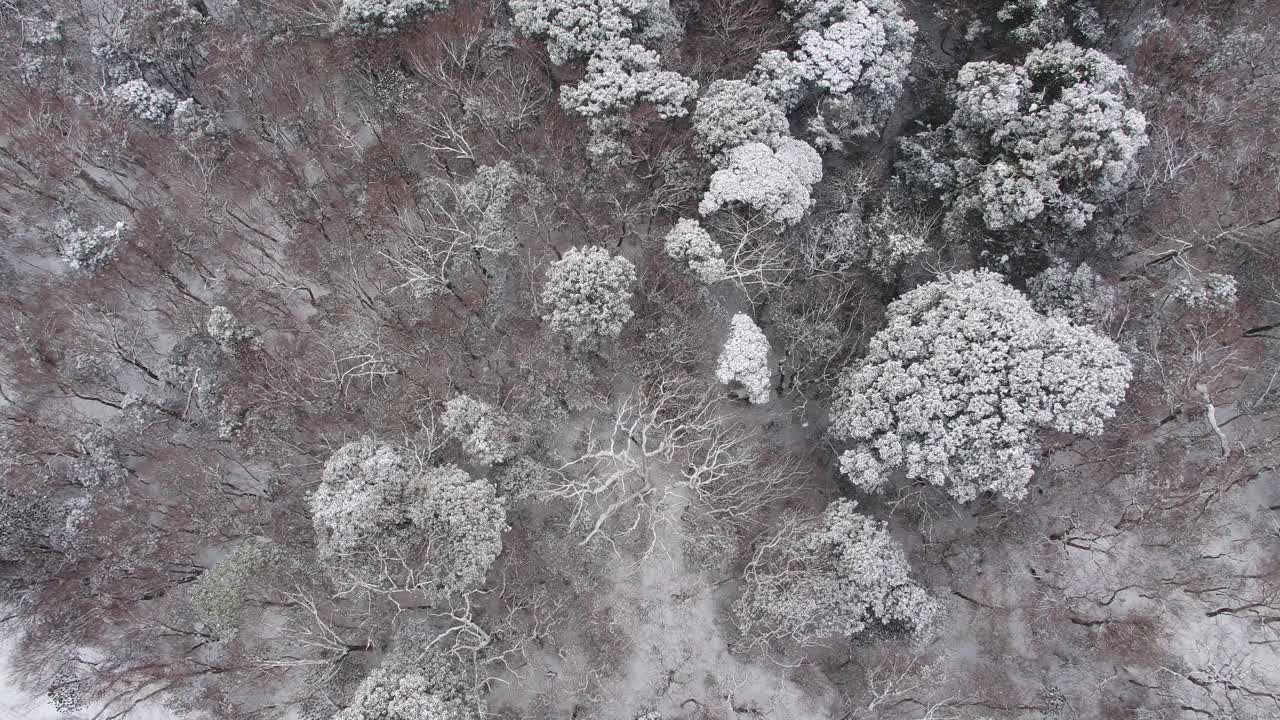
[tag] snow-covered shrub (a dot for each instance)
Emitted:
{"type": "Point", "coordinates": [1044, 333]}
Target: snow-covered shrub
{"type": "Point", "coordinates": [1079, 294]}
{"type": "Point", "coordinates": [689, 243]}
{"type": "Point", "coordinates": [488, 435]}
{"type": "Point", "coordinates": [588, 291]}
{"type": "Point", "coordinates": [955, 388]}
{"type": "Point", "coordinates": [621, 75]}
{"type": "Point", "coordinates": [774, 182]}
{"type": "Point", "coordinates": [579, 28]}
{"type": "Point", "coordinates": [139, 98]}
{"type": "Point", "coordinates": [90, 250]}
{"type": "Point", "coordinates": [835, 577]}
{"type": "Point", "coordinates": [732, 113]}
{"type": "Point", "coordinates": [384, 16]}
{"type": "Point", "coordinates": [745, 359]}
{"type": "Point", "coordinates": [1053, 138]}
{"type": "Point", "coordinates": [220, 593]}
{"type": "Point", "coordinates": [226, 330]}
{"type": "Point", "coordinates": [381, 518]}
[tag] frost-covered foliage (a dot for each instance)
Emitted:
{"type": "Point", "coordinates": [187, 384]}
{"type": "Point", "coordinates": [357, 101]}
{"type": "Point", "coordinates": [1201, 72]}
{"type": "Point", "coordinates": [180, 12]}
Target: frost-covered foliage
{"type": "Point", "coordinates": [89, 250]}
{"type": "Point", "coordinates": [689, 243]}
{"type": "Point", "coordinates": [817, 580]}
{"type": "Point", "coordinates": [1079, 294]}
{"type": "Point", "coordinates": [220, 593]}
{"type": "Point", "coordinates": [732, 113]}
{"type": "Point", "coordinates": [384, 16]}
{"type": "Point", "coordinates": [955, 388]}
{"type": "Point", "coordinates": [145, 102]}
{"type": "Point", "coordinates": [588, 291]}
{"type": "Point", "coordinates": [380, 517]}
{"type": "Point", "coordinates": [774, 182]}
{"type": "Point", "coordinates": [580, 28]}
{"type": "Point", "coordinates": [621, 75]}
{"type": "Point", "coordinates": [488, 435]}
{"type": "Point", "coordinates": [1053, 138]}
{"type": "Point", "coordinates": [226, 330]}
{"type": "Point", "coordinates": [745, 359]}
{"type": "Point", "coordinates": [402, 693]}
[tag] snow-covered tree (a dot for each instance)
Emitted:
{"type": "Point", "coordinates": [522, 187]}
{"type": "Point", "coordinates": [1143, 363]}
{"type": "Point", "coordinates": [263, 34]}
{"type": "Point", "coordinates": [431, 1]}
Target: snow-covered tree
{"type": "Point", "coordinates": [38, 32]}
{"type": "Point", "coordinates": [858, 52]}
{"type": "Point", "coordinates": [404, 693]}
{"type": "Point", "coordinates": [1201, 291]}
{"type": "Point", "coordinates": [220, 593]}
{"type": "Point", "coordinates": [881, 244]}
{"type": "Point", "coordinates": [1053, 138]}
{"type": "Point", "coordinates": [781, 78]}
{"type": "Point", "coordinates": [820, 579]}
{"type": "Point", "coordinates": [226, 330]}
{"type": "Point", "coordinates": [735, 112]}
{"type": "Point", "coordinates": [387, 524]}
{"type": "Point", "coordinates": [580, 28]}
{"type": "Point", "coordinates": [146, 102]}
{"type": "Point", "coordinates": [488, 435]}
{"type": "Point", "coordinates": [867, 49]}
{"type": "Point", "coordinates": [954, 390]}
{"type": "Point", "coordinates": [384, 16]}
{"type": "Point", "coordinates": [1078, 294]}
{"type": "Point", "coordinates": [1036, 23]}
{"type": "Point", "coordinates": [620, 75]}
{"type": "Point", "coordinates": [689, 243]}
{"type": "Point", "coordinates": [745, 359]}
{"type": "Point", "coordinates": [161, 107]}
{"type": "Point", "coordinates": [588, 291]}
{"type": "Point", "coordinates": [89, 250]}
{"type": "Point", "coordinates": [193, 122]}
{"type": "Point", "coordinates": [774, 182]}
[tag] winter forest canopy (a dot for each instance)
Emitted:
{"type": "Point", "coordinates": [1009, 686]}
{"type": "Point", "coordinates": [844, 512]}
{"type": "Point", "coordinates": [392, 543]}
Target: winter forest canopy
{"type": "Point", "coordinates": [640, 359]}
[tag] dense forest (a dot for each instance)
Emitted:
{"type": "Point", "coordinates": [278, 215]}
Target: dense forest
{"type": "Point", "coordinates": [640, 359]}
